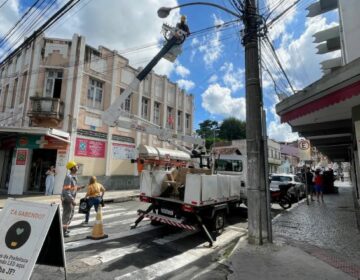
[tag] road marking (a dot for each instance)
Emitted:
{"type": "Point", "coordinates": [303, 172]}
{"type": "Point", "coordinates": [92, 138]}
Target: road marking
{"type": "Point", "coordinates": [117, 253]}
{"type": "Point", "coordinates": [85, 242]}
{"type": "Point", "coordinates": [88, 228]}
{"type": "Point", "coordinates": [166, 266]}
{"type": "Point", "coordinates": [110, 255]}
{"type": "Point", "coordinates": [105, 217]}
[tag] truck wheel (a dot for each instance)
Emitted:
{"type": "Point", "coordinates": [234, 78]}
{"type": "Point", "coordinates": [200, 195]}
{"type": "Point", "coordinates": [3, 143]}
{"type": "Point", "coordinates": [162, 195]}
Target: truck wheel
{"type": "Point", "coordinates": [218, 222]}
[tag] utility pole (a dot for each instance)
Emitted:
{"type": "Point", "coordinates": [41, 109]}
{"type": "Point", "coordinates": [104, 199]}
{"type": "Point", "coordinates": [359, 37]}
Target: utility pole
{"type": "Point", "coordinates": [259, 222]}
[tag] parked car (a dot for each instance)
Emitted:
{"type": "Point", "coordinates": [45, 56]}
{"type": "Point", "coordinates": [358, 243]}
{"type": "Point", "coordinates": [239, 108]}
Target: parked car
{"type": "Point", "coordinates": [297, 189]}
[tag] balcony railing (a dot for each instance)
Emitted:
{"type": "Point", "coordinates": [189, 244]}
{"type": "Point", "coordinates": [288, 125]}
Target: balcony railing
{"type": "Point", "coordinates": [46, 107]}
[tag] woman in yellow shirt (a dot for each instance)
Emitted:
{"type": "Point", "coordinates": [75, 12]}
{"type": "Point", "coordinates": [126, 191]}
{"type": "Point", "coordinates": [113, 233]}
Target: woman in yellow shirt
{"type": "Point", "coordinates": [94, 194]}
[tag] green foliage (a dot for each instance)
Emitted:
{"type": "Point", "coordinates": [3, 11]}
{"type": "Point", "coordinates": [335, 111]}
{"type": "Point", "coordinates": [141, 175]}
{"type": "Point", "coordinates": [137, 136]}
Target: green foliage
{"type": "Point", "coordinates": [232, 129]}
{"type": "Point", "coordinates": [208, 129]}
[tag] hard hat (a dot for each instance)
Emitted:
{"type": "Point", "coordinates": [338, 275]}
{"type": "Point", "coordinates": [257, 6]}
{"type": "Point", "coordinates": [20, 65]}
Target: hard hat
{"type": "Point", "coordinates": [183, 17]}
{"type": "Point", "coordinates": [71, 164]}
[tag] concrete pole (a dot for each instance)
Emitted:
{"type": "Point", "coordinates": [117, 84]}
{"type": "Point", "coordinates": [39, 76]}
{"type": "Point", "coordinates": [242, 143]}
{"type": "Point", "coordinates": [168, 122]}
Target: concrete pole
{"type": "Point", "coordinates": [257, 206]}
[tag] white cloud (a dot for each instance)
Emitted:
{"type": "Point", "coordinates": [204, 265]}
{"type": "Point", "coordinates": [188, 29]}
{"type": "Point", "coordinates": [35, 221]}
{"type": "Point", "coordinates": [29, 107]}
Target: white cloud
{"type": "Point", "coordinates": [186, 84]}
{"type": "Point", "coordinates": [298, 55]}
{"type": "Point", "coordinates": [217, 100]}
{"type": "Point", "coordinates": [120, 25]}
{"type": "Point", "coordinates": [209, 46]}
{"type": "Point", "coordinates": [182, 71]}
{"type": "Point", "coordinates": [281, 132]}
{"type": "Point", "coordinates": [213, 79]}
{"type": "Point", "coordinates": [232, 78]}
{"type": "Point", "coordinates": [279, 27]}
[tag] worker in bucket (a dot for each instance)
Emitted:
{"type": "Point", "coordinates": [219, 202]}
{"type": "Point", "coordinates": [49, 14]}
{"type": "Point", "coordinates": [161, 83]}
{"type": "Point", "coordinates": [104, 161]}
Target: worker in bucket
{"type": "Point", "coordinates": [183, 26]}
{"type": "Point", "coordinates": [68, 195]}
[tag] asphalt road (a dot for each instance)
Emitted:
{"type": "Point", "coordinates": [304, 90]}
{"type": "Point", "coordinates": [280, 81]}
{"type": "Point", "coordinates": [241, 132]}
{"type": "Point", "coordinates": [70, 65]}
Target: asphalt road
{"type": "Point", "coordinates": [147, 252]}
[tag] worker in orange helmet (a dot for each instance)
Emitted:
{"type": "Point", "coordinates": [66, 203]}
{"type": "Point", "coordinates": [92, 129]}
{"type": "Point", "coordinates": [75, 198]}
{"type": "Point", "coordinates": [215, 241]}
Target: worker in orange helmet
{"type": "Point", "coordinates": [68, 195]}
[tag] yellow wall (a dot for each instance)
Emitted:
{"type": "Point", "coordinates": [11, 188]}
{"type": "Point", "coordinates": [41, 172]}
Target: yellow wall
{"type": "Point", "coordinates": [122, 167]}
{"type": "Point", "coordinates": [91, 166]}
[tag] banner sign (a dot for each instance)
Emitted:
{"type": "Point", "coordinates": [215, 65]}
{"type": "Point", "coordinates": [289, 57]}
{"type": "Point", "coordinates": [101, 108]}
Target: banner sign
{"type": "Point", "coordinates": [123, 151]}
{"type": "Point", "coordinates": [21, 156]}
{"type": "Point", "coordinates": [89, 148]}
{"type": "Point", "coordinates": [29, 233]}
{"type": "Point", "coordinates": [304, 149]}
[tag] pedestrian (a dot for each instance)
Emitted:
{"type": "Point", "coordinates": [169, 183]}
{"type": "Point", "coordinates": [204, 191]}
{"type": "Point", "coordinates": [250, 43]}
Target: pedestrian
{"type": "Point", "coordinates": [318, 185]}
{"type": "Point", "coordinates": [309, 183]}
{"type": "Point", "coordinates": [94, 195]}
{"type": "Point", "coordinates": [68, 195]}
{"type": "Point", "coordinates": [50, 180]}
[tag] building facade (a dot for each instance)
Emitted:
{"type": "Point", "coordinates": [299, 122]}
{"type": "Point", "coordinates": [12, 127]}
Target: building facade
{"type": "Point", "coordinates": [52, 95]}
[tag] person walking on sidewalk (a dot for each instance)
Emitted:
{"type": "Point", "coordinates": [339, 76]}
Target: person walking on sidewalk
{"type": "Point", "coordinates": [94, 195]}
{"type": "Point", "coordinates": [309, 183]}
{"type": "Point", "coordinates": [68, 195]}
{"type": "Point", "coordinates": [50, 180]}
{"type": "Point", "coordinates": [318, 181]}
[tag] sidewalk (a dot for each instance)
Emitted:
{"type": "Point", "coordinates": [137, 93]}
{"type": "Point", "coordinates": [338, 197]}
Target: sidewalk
{"type": "Point", "coordinates": [109, 197]}
{"type": "Point", "coordinates": [317, 241]}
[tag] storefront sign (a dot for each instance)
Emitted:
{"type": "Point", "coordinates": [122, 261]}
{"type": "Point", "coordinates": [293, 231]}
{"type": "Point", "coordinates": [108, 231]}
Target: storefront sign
{"type": "Point", "coordinates": [123, 151]}
{"type": "Point", "coordinates": [21, 156]}
{"type": "Point", "coordinates": [26, 228]}
{"type": "Point", "coordinates": [40, 142]}
{"type": "Point", "coordinates": [91, 133]}
{"type": "Point", "coordinates": [89, 148]}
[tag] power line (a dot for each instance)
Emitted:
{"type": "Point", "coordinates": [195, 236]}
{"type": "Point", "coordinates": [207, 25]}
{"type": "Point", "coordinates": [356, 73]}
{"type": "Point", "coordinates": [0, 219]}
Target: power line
{"type": "Point", "coordinates": [5, 37]}
{"type": "Point", "coordinates": [278, 62]}
{"type": "Point", "coordinates": [133, 50]}
{"type": "Point", "coordinates": [63, 10]}
{"type": "Point", "coordinates": [3, 3]}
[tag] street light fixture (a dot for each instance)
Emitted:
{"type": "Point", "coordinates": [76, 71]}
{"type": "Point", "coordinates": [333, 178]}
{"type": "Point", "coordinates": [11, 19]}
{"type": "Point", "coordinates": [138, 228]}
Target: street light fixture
{"type": "Point", "coordinates": [163, 12]}
{"type": "Point", "coordinates": [259, 220]}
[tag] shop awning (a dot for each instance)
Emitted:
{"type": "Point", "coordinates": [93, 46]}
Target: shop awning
{"type": "Point", "coordinates": [51, 132]}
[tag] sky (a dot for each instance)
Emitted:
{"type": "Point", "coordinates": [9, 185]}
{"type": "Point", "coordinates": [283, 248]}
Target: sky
{"type": "Point", "coordinates": [211, 66]}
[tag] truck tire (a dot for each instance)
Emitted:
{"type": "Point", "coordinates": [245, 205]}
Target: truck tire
{"type": "Point", "coordinates": [218, 221]}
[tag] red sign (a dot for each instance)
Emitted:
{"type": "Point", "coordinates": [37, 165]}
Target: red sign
{"type": "Point", "coordinates": [89, 148]}
{"type": "Point", "coordinates": [48, 142]}
{"type": "Point", "coordinates": [21, 157]}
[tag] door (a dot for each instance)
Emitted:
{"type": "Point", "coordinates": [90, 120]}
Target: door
{"type": "Point", "coordinates": [41, 160]}
{"type": "Point", "coordinates": [6, 170]}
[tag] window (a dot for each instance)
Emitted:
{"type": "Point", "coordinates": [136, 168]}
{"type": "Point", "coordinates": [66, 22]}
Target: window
{"type": "Point", "coordinates": [179, 120]}
{"type": "Point", "coordinates": [13, 97]}
{"type": "Point", "coordinates": [53, 83]}
{"type": "Point", "coordinates": [187, 121]}
{"type": "Point", "coordinates": [281, 179]}
{"type": "Point", "coordinates": [95, 93]}
{"type": "Point", "coordinates": [272, 153]}
{"type": "Point", "coordinates": [144, 108]}
{"type": "Point", "coordinates": [170, 118]}
{"type": "Point", "coordinates": [157, 113]}
{"type": "Point", "coordinates": [5, 98]}
{"type": "Point", "coordinates": [23, 87]}
{"type": "Point", "coordinates": [127, 102]}
{"type": "Point", "coordinates": [229, 165]}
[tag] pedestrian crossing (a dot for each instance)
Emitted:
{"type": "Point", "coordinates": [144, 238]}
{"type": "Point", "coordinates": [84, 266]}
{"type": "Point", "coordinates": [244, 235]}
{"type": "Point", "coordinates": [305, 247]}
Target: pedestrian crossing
{"type": "Point", "coordinates": [130, 246]}
{"type": "Point", "coordinates": [146, 252]}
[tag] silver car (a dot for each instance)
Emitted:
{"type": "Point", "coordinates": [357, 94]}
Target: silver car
{"type": "Point", "coordinates": [297, 187]}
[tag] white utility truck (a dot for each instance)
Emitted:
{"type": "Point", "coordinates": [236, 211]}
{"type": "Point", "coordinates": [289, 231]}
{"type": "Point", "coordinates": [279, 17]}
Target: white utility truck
{"type": "Point", "coordinates": [179, 184]}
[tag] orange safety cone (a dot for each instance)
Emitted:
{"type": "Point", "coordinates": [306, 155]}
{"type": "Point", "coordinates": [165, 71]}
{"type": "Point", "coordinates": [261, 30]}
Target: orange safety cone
{"type": "Point", "coordinates": [98, 230]}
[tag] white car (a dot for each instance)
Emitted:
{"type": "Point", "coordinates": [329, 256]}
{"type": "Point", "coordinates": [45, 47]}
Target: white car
{"type": "Point", "coordinates": [297, 187]}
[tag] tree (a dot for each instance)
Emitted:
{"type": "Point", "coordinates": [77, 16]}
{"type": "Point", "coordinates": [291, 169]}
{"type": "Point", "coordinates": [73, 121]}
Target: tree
{"type": "Point", "coordinates": [232, 129]}
{"type": "Point", "coordinates": [208, 129]}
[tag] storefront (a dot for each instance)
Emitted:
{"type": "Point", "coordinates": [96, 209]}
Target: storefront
{"type": "Point", "coordinates": [25, 156]}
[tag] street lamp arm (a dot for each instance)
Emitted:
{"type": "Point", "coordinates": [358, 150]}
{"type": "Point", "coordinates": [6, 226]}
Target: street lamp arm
{"type": "Point", "coordinates": [165, 11]}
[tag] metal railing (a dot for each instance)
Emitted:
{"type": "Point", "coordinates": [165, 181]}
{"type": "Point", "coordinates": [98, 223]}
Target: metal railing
{"type": "Point", "coordinates": [46, 107]}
